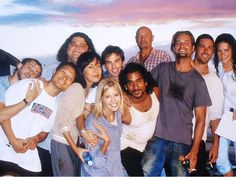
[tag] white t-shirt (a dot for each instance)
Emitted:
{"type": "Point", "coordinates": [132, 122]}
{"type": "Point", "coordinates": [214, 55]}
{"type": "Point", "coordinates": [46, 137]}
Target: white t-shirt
{"type": "Point", "coordinates": [37, 117]}
{"type": "Point", "coordinates": [141, 128]}
{"type": "Point", "coordinates": [215, 89]}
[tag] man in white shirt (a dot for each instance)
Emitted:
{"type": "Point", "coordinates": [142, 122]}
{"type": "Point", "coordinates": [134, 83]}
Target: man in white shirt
{"type": "Point", "coordinates": [33, 123]}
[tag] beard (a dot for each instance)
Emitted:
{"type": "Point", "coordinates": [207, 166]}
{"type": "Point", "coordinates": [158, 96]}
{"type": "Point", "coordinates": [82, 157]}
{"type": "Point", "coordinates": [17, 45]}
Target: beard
{"type": "Point", "coordinates": [181, 55]}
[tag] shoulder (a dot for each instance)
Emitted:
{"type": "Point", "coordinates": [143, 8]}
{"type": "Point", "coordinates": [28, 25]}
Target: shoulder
{"type": "Point", "coordinates": [75, 87]}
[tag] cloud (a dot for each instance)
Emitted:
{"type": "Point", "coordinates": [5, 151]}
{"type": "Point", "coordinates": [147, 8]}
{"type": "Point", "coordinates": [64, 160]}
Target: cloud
{"type": "Point", "coordinates": [116, 12]}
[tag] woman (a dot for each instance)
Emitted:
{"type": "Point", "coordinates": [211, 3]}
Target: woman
{"type": "Point", "coordinates": [64, 149]}
{"type": "Point", "coordinates": [106, 120]}
{"type": "Point", "coordinates": [225, 64]}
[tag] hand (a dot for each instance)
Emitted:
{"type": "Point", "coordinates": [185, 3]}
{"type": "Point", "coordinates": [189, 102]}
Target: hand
{"type": "Point", "coordinates": [192, 157]}
{"type": "Point", "coordinates": [88, 107]}
{"type": "Point", "coordinates": [234, 115]}
{"type": "Point", "coordinates": [90, 137]}
{"type": "Point", "coordinates": [79, 151]}
{"type": "Point", "coordinates": [213, 154]}
{"type": "Point", "coordinates": [127, 103]}
{"type": "Point", "coordinates": [31, 143]}
{"type": "Point", "coordinates": [102, 132]}
{"type": "Point", "coordinates": [19, 145]}
{"type": "Point", "coordinates": [33, 91]}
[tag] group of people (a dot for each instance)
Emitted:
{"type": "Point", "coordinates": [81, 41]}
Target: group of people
{"type": "Point", "coordinates": [135, 119]}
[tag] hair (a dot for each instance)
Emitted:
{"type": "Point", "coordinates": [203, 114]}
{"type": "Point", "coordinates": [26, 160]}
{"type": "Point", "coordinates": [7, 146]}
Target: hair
{"type": "Point", "coordinates": [135, 67]}
{"type": "Point", "coordinates": [229, 39]}
{"type": "Point", "coordinates": [62, 53]}
{"type": "Point", "coordinates": [203, 36]}
{"type": "Point", "coordinates": [72, 65]}
{"type": "Point", "coordinates": [177, 34]}
{"type": "Point", "coordinates": [84, 60]}
{"type": "Point", "coordinates": [110, 50]}
{"type": "Point", "coordinates": [103, 86]}
{"type": "Point", "coordinates": [27, 60]}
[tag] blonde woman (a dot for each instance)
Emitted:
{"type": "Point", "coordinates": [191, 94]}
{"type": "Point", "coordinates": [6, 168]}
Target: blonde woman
{"type": "Point", "coordinates": [106, 121]}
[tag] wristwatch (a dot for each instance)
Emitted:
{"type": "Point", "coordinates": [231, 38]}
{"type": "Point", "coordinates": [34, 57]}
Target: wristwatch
{"type": "Point", "coordinates": [26, 102]}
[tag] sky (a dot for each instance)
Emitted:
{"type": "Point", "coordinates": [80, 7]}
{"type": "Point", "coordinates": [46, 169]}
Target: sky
{"type": "Point", "coordinates": [37, 28]}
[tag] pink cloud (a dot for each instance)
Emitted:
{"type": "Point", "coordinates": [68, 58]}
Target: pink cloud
{"type": "Point", "coordinates": [122, 12]}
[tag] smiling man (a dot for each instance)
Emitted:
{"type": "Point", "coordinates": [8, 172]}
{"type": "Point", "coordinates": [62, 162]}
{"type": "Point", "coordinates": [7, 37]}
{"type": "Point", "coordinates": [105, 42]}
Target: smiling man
{"type": "Point", "coordinates": [20, 136]}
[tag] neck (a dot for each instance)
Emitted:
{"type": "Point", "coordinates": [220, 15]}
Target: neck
{"type": "Point", "coordinates": [109, 115]}
{"type": "Point", "coordinates": [144, 53]}
{"type": "Point", "coordinates": [202, 68]}
{"type": "Point", "coordinates": [51, 89]}
{"type": "Point", "coordinates": [227, 66]}
{"type": "Point", "coordinates": [13, 78]}
{"type": "Point", "coordinates": [184, 64]}
{"type": "Point", "coordinates": [138, 100]}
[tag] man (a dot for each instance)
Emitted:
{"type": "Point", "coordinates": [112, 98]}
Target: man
{"type": "Point", "coordinates": [203, 53]}
{"type": "Point", "coordinates": [140, 114]}
{"type": "Point", "coordinates": [113, 60]}
{"type": "Point", "coordinates": [182, 89]}
{"type": "Point", "coordinates": [30, 68]}
{"type": "Point", "coordinates": [33, 123]}
{"type": "Point", "coordinates": [6, 59]}
{"type": "Point", "coordinates": [148, 56]}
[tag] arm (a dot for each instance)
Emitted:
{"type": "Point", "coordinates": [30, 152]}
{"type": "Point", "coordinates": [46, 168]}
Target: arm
{"type": "Point", "coordinates": [126, 117]}
{"type": "Point", "coordinates": [32, 142]}
{"type": "Point", "coordinates": [200, 115]}
{"type": "Point", "coordinates": [213, 154]}
{"type": "Point", "coordinates": [157, 92]}
{"type": "Point", "coordinates": [7, 112]}
{"type": "Point", "coordinates": [7, 57]}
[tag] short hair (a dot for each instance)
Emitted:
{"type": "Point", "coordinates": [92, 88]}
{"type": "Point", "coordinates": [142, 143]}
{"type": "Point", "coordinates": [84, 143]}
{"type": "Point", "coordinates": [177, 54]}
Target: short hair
{"type": "Point", "coordinates": [72, 65]}
{"type": "Point", "coordinates": [103, 86]}
{"type": "Point", "coordinates": [173, 41]}
{"type": "Point", "coordinates": [62, 53]}
{"type": "Point", "coordinates": [83, 61]}
{"type": "Point", "coordinates": [203, 36]}
{"type": "Point", "coordinates": [135, 67]}
{"type": "Point", "coordinates": [26, 60]}
{"type": "Point", "coordinates": [229, 39]}
{"type": "Point", "coordinates": [110, 49]}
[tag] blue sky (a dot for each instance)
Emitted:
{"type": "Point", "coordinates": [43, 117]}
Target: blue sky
{"type": "Point", "coordinates": [37, 28]}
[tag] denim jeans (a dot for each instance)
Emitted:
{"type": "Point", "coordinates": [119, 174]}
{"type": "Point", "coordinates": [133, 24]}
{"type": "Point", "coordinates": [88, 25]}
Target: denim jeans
{"type": "Point", "coordinates": [160, 153]}
{"type": "Point", "coordinates": [223, 163]}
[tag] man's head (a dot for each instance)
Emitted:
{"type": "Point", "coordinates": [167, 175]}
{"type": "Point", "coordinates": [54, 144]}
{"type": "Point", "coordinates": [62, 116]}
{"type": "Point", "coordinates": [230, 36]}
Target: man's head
{"type": "Point", "coordinates": [64, 75]}
{"type": "Point", "coordinates": [113, 59]}
{"type": "Point", "coordinates": [74, 46]}
{"type": "Point", "coordinates": [135, 80]}
{"type": "Point", "coordinates": [204, 48]}
{"type": "Point", "coordinates": [144, 37]}
{"type": "Point", "coordinates": [182, 44]}
{"type": "Point", "coordinates": [30, 68]}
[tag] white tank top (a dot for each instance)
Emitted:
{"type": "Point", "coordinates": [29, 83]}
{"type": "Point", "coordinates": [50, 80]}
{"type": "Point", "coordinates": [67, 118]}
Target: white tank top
{"type": "Point", "coordinates": [141, 128]}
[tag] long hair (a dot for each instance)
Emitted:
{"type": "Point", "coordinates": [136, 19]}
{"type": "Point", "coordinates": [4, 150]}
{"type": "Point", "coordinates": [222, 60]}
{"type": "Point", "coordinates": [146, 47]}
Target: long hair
{"type": "Point", "coordinates": [230, 40]}
{"type": "Point", "coordinates": [84, 60]}
{"type": "Point", "coordinates": [103, 86]}
{"type": "Point", "coordinates": [62, 52]}
{"type": "Point", "coordinates": [135, 67]}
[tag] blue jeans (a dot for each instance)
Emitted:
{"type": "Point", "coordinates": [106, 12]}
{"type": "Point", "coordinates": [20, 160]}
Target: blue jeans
{"type": "Point", "coordinates": [160, 153]}
{"type": "Point", "coordinates": [223, 163]}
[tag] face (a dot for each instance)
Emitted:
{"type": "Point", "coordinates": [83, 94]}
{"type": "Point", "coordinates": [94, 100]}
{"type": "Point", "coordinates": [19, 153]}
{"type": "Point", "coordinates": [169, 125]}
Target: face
{"type": "Point", "coordinates": [204, 50]}
{"type": "Point", "coordinates": [93, 72]}
{"type": "Point", "coordinates": [111, 99]}
{"type": "Point", "coordinates": [183, 47]}
{"type": "Point", "coordinates": [136, 86]}
{"type": "Point", "coordinates": [64, 77]}
{"type": "Point", "coordinates": [76, 47]}
{"type": "Point", "coordinates": [224, 53]}
{"type": "Point", "coordinates": [144, 38]}
{"type": "Point", "coordinates": [114, 64]}
{"type": "Point", "coordinates": [29, 70]}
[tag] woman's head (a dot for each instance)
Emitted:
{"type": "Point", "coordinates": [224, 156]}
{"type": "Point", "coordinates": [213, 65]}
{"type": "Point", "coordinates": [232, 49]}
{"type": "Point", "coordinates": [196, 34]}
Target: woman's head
{"type": "Point", "coordinates": [225, 50]}
{"type": "Point", "coordinates": [109, 97]}
{"type": "Point", "coordinates": [89, 69]}
{"type": "Point", "coordinates": [74, 46]}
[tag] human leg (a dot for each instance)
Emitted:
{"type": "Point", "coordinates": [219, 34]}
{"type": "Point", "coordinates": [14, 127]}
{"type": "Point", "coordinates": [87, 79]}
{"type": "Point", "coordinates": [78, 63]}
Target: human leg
{"type": "Point", "coordinates": [154, 157]}
{"type": "Point", "coordinates": [223, 163]}
{"type": "Point", "coordinates": [131, 160]}
{"type": "Point", "coordinates": [45, 158]}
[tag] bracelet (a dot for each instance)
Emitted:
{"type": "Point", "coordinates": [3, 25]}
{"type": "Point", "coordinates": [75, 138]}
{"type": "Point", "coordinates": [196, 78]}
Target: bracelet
{"type": "Point", "coordinates": [26, 102]}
